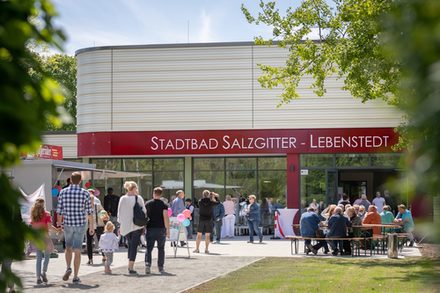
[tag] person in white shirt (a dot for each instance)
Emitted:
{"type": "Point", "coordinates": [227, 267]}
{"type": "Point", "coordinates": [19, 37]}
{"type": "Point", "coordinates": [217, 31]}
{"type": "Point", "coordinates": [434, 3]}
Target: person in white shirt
{"type": "Point", "coordinates": [108, 243]}
{"type": "Point", "coordinates": [229, 218]}
{"type": "Point", "coordinates": [127, 228]}
{"type": "Point", "coordinates": [379, 202]}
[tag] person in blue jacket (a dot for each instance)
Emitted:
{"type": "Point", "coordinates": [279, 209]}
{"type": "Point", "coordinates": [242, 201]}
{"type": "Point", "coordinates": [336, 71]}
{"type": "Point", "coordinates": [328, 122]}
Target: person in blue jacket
{"type": "Point", "coordinates": [218, 212]}
{"type": "Point", "coordinates": [309, 227]}
{"type": "Point", "coordinates": [253, 218]}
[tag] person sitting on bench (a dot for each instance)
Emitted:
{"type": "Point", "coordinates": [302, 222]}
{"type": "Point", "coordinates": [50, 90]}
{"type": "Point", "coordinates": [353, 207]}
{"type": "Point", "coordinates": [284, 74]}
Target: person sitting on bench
{"type": "Point", "coordinates": [337, 225]}
{"type": "Point", "coordinates": [309, 225]}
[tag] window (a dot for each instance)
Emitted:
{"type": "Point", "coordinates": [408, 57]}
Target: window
{"type": "Point", "coordinates": [241, 176]}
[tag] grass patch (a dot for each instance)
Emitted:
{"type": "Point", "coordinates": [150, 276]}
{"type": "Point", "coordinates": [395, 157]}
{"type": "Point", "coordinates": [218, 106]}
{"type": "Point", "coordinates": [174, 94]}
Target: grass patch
{"type": "Point", "coordinates": [329, 274]}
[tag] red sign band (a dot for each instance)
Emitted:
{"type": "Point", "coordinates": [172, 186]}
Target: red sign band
{"type": "Point", "coordinates": [217, 142]}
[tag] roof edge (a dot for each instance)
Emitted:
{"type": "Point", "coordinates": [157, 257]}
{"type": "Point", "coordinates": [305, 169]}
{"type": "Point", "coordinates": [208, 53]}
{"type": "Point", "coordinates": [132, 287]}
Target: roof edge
{"type": "Point", "coordinates": [171, 45]}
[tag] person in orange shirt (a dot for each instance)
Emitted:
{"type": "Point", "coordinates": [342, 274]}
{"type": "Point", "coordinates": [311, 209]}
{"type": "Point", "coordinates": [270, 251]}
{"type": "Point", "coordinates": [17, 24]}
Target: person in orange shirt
{"type": "Point", "coordinates": [373, 217]}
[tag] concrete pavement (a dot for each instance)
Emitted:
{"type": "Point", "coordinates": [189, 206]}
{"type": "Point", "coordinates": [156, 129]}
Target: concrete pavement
{"type": "Point", "coordinates": [181, 272]}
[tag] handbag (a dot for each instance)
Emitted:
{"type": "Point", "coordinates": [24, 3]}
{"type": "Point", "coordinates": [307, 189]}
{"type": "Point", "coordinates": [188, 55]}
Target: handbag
{"type": "Point", "coordinates": [139, 217]}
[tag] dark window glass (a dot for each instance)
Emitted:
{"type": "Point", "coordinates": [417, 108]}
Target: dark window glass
{"type": "Point", "coordinates": [352, 160]}
{"type": "Point", "coordinates": [241, 163]}
{"type": "Point", "coordinates": [109, 164]}
{"type": "Point", "coordinates": [211, 180]}
{"type": "Point", "coordinates": [170, 181]}
{"type": "Point", "coordinates": [324, 160]}
{"type": "Point", "coordinates": [137, 164]}
{"type": "Point", "coordinates": [172, 164]}
{"type": "Point", "coordinates": [211, 164]}
{"type": "Point", "coordinates": [272, 163]}
{"type": "Point", "coordinates": [385, 160]}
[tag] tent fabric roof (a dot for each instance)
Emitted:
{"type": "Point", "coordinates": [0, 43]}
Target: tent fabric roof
{"type": "Point", "coordinates": [88, 171]}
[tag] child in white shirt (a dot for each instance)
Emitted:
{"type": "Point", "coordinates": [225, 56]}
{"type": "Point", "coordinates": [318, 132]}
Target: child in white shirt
{"type": "Point", "coordinates": [109, 243]}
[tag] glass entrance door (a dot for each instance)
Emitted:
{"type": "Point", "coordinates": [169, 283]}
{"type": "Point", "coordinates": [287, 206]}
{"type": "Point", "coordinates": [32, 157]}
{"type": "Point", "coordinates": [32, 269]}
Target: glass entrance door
{"type": "Point", "coordinates": [354, 189]}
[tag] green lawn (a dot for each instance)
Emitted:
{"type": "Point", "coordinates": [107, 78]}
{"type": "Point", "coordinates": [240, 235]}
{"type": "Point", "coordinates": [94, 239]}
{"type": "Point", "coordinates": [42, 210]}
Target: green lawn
{"type": "Point", "coordinates": [329, 275]}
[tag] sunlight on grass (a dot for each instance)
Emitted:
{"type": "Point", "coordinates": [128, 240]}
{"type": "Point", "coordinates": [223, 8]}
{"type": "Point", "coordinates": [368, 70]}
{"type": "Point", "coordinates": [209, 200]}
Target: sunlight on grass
{"type": "Point", "coordinates": [321, 275]}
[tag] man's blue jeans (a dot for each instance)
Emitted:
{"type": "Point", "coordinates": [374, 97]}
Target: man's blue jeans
{"type": "Point", "coordinates": [253, 227]}
{"type": "Point", "coordinates": [153, 235]}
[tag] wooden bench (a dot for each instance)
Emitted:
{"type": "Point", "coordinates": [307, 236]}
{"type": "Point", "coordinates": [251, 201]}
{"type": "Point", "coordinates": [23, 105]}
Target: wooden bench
{"type": "Point", "coordinates": [354, 242]}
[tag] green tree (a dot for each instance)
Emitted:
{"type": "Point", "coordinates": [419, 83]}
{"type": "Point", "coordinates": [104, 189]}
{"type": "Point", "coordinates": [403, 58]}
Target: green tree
{"type": "Point", "coordinates": [327, 38]}
{"type": "Point", "coordinates": [412, 37]}
{"type": "Point", "coordinates": [62, 69]}
{"type": "Point", "coordinates": [26, 105]}
{"type": "Point", "coordinates": [382, 49]}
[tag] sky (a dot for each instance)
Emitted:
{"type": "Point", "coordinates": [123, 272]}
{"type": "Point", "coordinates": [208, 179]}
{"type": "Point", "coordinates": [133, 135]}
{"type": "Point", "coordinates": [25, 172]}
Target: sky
{"type": "Point", "coordinates": [90, 23]}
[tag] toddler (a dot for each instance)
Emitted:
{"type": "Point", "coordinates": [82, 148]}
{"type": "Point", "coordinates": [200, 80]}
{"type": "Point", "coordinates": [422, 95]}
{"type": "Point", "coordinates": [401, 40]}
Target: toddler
{"type": "Point", "coordinates": [108, 243]}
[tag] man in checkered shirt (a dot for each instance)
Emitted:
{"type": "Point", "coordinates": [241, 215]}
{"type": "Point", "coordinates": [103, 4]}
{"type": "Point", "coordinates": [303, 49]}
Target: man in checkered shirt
{"type": "Point", "coordinates": [74, 209]}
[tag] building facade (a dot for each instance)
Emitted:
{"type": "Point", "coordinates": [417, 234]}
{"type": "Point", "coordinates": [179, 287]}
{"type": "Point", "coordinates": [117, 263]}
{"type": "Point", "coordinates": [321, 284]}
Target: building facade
{"type": "Point", "coordinates": [195, 117]}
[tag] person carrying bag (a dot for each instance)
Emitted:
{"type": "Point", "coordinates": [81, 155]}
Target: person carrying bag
{"type": "Point", "coordinates": [139, 216]}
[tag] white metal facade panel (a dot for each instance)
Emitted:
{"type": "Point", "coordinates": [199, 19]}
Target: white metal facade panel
{"type": "Point", "coordinates": [337, 109]}
{"type": "Point", "coordinates": [94, 91]}
{"type": "Point", "coordinates": [67, 141]}
{"type": "Point", "coordinates": [182, 88]}
{"type": "Point", "coordinates": [206, 87]}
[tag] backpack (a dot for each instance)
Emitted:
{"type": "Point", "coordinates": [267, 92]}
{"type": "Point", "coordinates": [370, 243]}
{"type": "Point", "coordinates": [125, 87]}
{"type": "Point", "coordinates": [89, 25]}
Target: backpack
{"type": "Point", "coordinates": [139, 217]}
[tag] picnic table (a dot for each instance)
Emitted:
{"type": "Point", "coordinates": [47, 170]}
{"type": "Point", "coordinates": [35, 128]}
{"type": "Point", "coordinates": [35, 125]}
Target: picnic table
{"type": "Point", "coordinates": [355, 242]}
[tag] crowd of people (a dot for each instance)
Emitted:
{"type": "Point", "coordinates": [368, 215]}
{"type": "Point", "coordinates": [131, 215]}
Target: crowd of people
{"type": "Point", "coordinates": [345, 220]}
{"type": "Point", "coordinates": [81, 216]}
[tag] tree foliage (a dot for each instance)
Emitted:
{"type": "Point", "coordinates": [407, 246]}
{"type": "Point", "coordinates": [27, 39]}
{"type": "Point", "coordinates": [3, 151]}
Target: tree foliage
{"type": "Point", "coordinates": [26, 105]}
{"type": "Point", "coordinates": [62, 69]}
{"type": "Point", "coordinates": [412, 37]}
{"type": "Point", "coordinates": [327, 38]}
{"type": "Point", "coordinates": [386, 49]}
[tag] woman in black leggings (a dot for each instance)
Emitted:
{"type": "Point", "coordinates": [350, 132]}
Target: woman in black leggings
{"type": "Point", "coordinates": [98, 224]}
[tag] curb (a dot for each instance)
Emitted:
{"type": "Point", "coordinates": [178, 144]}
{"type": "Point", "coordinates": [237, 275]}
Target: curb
{"type": "Point", "coordinates": [224, 274]}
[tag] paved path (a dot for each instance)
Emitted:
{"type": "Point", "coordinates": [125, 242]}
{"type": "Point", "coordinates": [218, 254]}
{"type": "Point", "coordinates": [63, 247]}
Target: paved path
{"type": "Point", "coordinates": [182, 272]}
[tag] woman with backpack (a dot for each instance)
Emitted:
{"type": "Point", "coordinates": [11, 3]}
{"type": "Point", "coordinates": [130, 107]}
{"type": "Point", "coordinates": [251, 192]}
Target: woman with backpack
{"type": "Point", "coordinates": [128, 228]}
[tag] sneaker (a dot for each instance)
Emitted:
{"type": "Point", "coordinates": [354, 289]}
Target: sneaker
{"type": "Point", "coordinates": [196, 251]}
{"type": "Point", "coordinates": [147, 270]}
{"type": "Point", "coordinates": [39, 281]}
{"type": "Point", "coordinates": [250, 241]}
{"type": "Point", "coordinates": [67, 274]}
{"type": "Point", "coordinates": [90, 262]}
{"type": "Point", "coordinates": [261, 239]}
{"type": "Point", "coordinates": [132, 272]}
{"type": "Point", "coordinates": [161, 270]}
{"type": "Point", "coordinates": [76, 280]}
{"type": "Point", "coordinates": [206, 251]}
{"type": "Point", "coordinates": [44, 277]}
{"type": "Point", "coordinates": [312, 249]}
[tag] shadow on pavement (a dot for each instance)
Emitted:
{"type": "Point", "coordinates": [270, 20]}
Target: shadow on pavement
{"type": "Point", "coordinates": [80, 286]}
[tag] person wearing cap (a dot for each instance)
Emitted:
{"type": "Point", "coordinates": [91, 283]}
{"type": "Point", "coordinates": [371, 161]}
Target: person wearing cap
{"type": "Point", "coordinates": [253, 218]}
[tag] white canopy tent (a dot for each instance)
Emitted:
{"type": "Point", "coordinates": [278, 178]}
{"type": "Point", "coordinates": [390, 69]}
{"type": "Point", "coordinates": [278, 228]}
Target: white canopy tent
{"type": "Point", "coordinates": [31, 174]}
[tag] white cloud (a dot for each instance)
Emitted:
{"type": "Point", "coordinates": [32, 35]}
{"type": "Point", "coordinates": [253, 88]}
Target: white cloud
{"type": "Point", "coordinates": [205, 33]}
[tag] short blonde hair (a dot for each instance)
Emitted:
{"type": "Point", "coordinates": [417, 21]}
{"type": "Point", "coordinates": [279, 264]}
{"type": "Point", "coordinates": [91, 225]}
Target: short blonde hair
{"type": "Point", "coordinates": [252, 196]}
{"type": "Point", "coordinates": [109, 227]}
{"type": "Point", "coordinates": [130, 185]}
